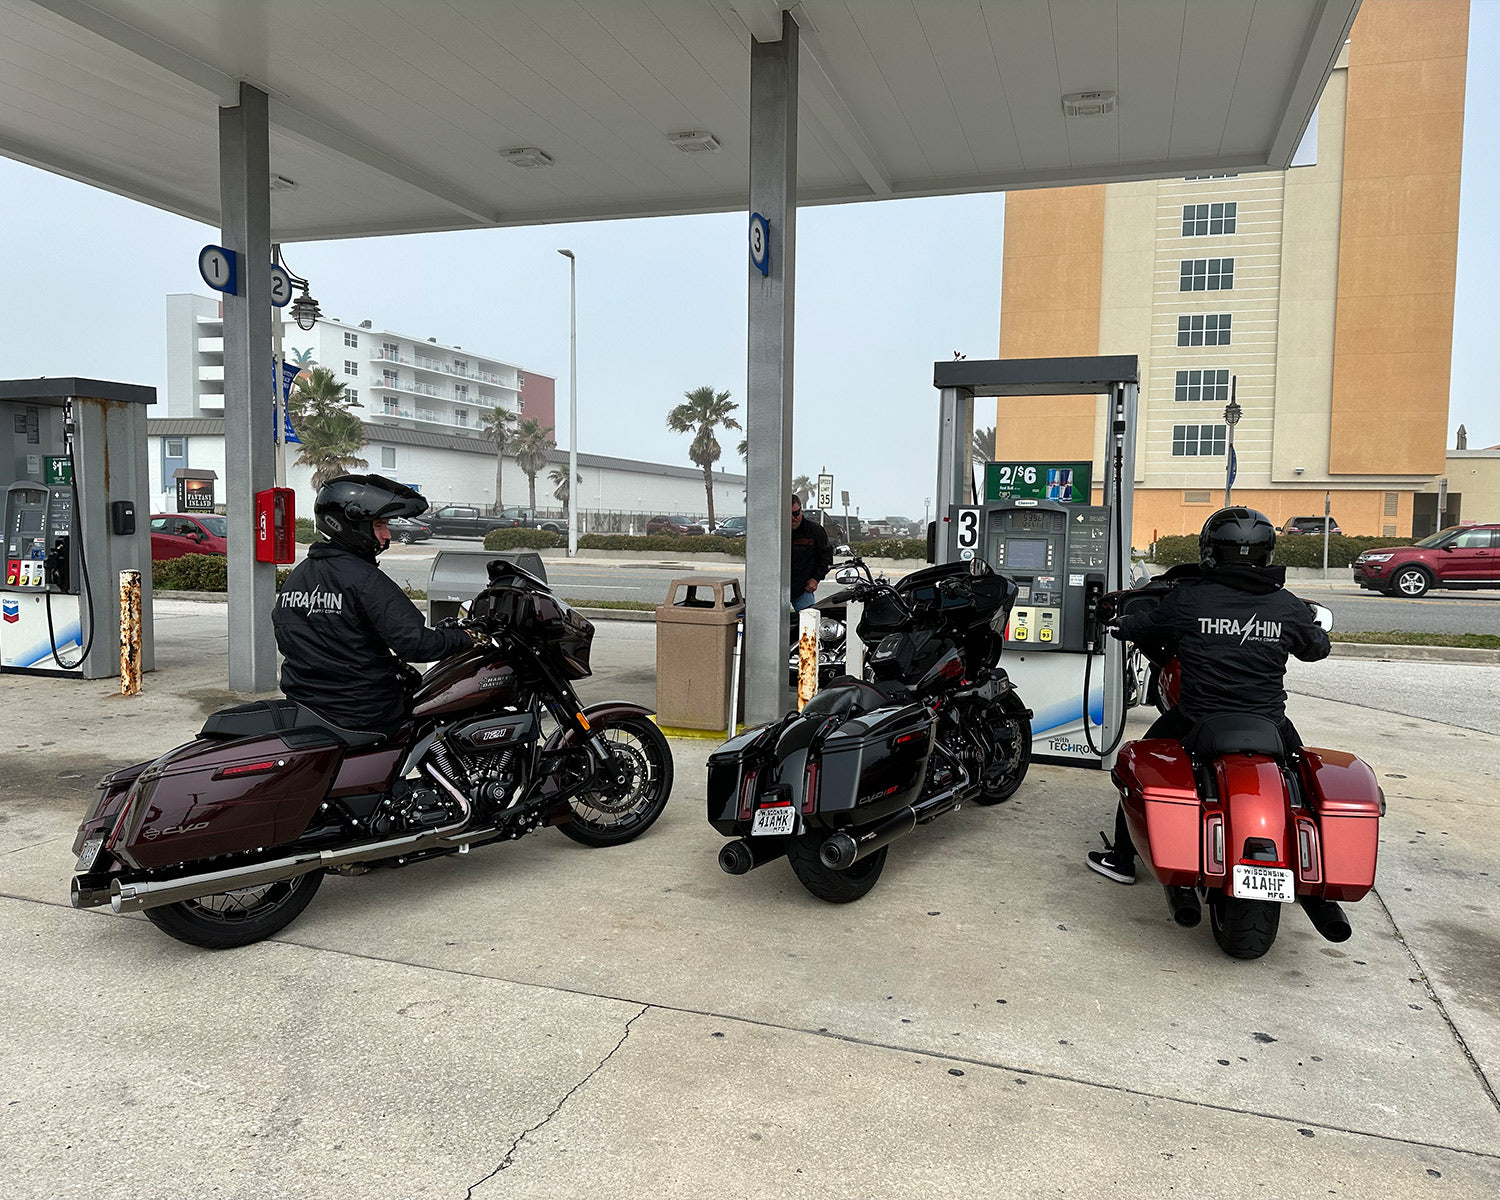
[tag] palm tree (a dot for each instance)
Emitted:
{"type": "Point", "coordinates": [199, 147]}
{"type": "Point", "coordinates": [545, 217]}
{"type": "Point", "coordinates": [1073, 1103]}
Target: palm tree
{"type": "Point", "coordinates": [331, 435]}
{"type": "Point", "coordinates": [500, 427]}
{"type": "Point", "coordinates": [559, 477]}
{"type": "Point", "coordinates": [702, 412]}
{"type": "Point", "coordinates": [530, 444]}
{"type": "Point", "coordinates": [984, 445]}
{"type": "Point", "coordinates": [802, 488]}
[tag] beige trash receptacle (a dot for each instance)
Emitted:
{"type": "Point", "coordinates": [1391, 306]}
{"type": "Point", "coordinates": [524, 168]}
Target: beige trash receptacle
{"type": "Point", "coordinates": [695, 631]}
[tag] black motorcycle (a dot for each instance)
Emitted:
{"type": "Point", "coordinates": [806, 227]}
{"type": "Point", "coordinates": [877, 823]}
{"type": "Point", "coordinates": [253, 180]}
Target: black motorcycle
{"type": "Point", "coordinates": [935, 723]}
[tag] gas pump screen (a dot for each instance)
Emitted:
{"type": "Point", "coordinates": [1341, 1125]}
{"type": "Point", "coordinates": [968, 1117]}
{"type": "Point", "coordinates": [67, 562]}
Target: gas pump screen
{"type": "Point", "coordinates": [1025, 554]}
{"type": "Point", "coordinates": [29, 520]}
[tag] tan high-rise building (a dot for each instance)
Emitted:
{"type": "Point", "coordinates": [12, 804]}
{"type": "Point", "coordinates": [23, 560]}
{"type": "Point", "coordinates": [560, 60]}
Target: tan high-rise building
{"type": "Point", "coordinates": [1325, 292]}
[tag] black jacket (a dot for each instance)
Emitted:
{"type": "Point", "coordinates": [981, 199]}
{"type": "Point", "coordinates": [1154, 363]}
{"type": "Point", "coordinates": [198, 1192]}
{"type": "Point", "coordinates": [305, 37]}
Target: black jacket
{"type": "Point", "coordinates": [1233, 628]}
{"type": "Point", "coordinates": [340, 621]}
{"type": "Point", "coordinates": [811, 556]}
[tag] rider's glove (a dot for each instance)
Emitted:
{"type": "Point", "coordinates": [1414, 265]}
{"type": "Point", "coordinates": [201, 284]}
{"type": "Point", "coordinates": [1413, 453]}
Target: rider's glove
{"type": "Point", "coordinates": [479, 637]}
{"type": "Point", "coordinates": [1114, 631]}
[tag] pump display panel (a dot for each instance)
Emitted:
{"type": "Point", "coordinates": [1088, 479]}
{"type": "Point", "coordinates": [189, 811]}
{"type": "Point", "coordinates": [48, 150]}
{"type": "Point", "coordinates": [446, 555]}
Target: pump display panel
{"type": "Point", "coordinates": [1056, 554]}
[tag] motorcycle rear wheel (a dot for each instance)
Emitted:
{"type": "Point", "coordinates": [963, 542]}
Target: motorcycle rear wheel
{"type": "Point", "coordinates": [629, 806]}
{"type": "Point", "coordinates": [238, 918]}
{"type": "Point", "coordinates": [824, 882]}
{"type": "Point", "coordinates": [1243, 929]}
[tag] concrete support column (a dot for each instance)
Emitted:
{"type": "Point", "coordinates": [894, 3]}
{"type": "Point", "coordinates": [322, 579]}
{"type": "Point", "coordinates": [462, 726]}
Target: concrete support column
{"type": "Point", "coordinates": [768, 406]}
{"type": "Point", "coordinates": [955, 442]}
{"type": "Point", "coordinates": [249, 409]}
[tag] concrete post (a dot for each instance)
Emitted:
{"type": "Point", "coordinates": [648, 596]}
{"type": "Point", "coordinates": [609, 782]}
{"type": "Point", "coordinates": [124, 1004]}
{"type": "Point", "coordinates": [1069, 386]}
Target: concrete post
{"type": "Point", "coordinates": [249, 410]}
{"type": "Point", "coordinates": [768, 405]}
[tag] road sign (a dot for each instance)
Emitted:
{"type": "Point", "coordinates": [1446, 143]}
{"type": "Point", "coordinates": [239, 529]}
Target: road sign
{"type": "Point", "coordinates": [281, 286]}
{"type": "Point", "coordinates": [825, 492]}
{"type": "Point", "coordinates": [760, 243]}
{"type": "Point", "coordinates": [220, 269]}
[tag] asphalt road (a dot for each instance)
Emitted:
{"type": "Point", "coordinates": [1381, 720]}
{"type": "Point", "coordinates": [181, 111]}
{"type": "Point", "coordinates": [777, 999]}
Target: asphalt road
{"type": "Point", "coordinates": [1357, 611]}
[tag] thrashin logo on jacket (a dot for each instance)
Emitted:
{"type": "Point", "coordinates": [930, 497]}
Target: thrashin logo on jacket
{"type": "Point", "coordinates": [1254, 629]}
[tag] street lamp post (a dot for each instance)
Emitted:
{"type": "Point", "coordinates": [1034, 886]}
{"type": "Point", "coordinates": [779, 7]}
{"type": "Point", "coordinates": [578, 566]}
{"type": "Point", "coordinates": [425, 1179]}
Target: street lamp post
{"type": "Point", "coordinates": [572, 402]}
{"type": "Point", "coordinates": [1232, 415]}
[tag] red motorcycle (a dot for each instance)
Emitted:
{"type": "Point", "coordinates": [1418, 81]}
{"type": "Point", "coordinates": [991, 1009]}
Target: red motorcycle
{"type": "Point", "coordinates": [225, 840]}
{"type": "Point", "coordinates": [1230, 820]}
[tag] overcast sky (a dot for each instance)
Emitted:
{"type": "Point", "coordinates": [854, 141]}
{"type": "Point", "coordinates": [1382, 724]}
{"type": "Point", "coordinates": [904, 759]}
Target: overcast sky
{"type": "Point", "coordinates": [883, 290]}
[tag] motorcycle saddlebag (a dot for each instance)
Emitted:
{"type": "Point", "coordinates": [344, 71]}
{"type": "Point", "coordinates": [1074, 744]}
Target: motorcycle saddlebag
{"type": "Point", "coordinates": [730, 768]}
{"type": "Point", "coordinates": [1155, 780]}
{"type": "Point", "coordinates": [1343, 792]}
{"type": "Point", "coordinates": [873, 764]}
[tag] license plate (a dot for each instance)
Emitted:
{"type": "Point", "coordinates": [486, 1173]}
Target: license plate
{"type": "Point", "coordinates": [776, 821]}
{"type": "Point", "coordinates": [90, 852]}
{"type": "Point", "coordinates": [1264, 883]}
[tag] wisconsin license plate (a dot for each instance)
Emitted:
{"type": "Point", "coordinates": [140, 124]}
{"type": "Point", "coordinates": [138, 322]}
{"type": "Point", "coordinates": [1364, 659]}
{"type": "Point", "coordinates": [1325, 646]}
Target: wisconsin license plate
{"type": "Point", "coordinates": [776, 821]}
{"type": "Point", "coordinates": [1264, 883]}
{"type": "Point", "coordinates": [90, 852]}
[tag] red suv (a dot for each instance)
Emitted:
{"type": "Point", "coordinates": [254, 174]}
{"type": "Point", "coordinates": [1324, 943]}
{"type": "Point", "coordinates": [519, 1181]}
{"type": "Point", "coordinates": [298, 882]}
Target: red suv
{"type": "Point", "coordinates": [176, 534]}
{"type": "Point", "coordinates": [1462, 556]}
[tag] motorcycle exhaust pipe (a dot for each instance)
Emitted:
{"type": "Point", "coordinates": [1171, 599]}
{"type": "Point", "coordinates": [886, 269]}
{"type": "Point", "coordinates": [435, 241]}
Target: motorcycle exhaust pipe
{"type": "Point", "coordinates": [89, 891]}
{"type": "Point", "coordinates": [1327, 918]}
{"type": "Point", "coordinates": [842, 850]}
{"type": "Point", "coordinates": [743, 856]}
{"type": "Point", "coordinates": [1184, 905]}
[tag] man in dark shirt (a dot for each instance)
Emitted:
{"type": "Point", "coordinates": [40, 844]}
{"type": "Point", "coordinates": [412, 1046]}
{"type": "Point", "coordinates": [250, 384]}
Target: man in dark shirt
{"type": "Point", "coordinates": [1233, 625]}
{"type": "Point", "coordinates": [812, 556]}
{"type": "Point", "coordinates": [345, 627]}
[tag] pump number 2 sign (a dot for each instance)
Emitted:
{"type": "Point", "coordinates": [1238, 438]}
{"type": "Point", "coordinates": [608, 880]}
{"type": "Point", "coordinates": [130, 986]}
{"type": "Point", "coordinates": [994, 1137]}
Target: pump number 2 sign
{"type": "Point", "coordinates": [968, 533]}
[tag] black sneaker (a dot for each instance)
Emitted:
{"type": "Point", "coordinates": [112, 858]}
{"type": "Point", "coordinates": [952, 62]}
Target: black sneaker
{"type": "Point", "coordinates": [1104, 862]}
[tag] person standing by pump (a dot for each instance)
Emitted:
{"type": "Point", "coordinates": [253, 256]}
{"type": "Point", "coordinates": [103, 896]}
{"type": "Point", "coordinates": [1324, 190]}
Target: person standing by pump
{"type": "Point", "coordinates": [812, 557]}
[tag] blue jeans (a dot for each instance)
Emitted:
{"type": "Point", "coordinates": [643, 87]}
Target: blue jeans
{"type": "Point", "coordinates": [806, 600]}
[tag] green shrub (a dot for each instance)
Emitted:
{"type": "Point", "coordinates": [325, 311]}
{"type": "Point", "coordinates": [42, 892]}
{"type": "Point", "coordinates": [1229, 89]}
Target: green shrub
{"type": "Point", "coordinates": [901, 548]}
{"type": "Point", "coordinates": [306, 530]}
{"type": "Point", "coordinates": [523, 539]}
{"type": "Point", "coordinates": [1299, 550]}
{"type": "Point", "coordinates": [673, 543]}
{"type": "Point", "coordinates": [198, 573]}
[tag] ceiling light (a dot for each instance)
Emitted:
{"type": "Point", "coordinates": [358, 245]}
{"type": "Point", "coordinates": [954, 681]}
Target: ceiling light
{"type": "Point", "coordinates": [280, 183]}
{"type": "Point", "coordinates": [694, 141]}
{"type": "Point", "coordinates": [1088, 104]}
{"type": "Point", "coordinates": [305, 310]}
{"type": "Point", "coordinates": [526, 156]}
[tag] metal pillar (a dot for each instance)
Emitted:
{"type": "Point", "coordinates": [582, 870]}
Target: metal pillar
{"type": "Point", "coordinates": [249, 411]}
{"type": "Point", "coordinates": [768, 405]}
{"type": "Point", "coordinates": [955, 439]}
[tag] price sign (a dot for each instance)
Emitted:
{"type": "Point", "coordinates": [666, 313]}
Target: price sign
{"type": "Point", "coordinates": [1066, 483]}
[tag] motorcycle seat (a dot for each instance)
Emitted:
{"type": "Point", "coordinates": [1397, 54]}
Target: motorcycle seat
{"type": "Point", "coordinates": [845, 697]}
{"type": "Point", "coordinates": [285, 717]}
{"type": "Point", "coordinates": [1235, 733]}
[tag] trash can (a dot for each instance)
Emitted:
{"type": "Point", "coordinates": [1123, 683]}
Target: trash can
{"type": "Point", "coordinates": [459, 575]}
{"type": "Point", "coordinates": [695, 633]}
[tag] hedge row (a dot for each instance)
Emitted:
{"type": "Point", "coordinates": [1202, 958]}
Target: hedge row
{"type": "Point", "coordinates": [1299, 550]}
{"type": "Point", "coordinates": [198, 573]}
{"type": "Point", "coordinates": [306, 530]}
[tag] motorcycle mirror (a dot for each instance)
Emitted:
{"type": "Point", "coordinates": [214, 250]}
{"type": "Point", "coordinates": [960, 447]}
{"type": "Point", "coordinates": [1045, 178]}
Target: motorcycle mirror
{"type": "Point", "coordinates": [844, 549]}
{"type": "Point", "coordinates": [846, 575]}
{"type": "Point", "coordinates": [1322, 618]}
{"type": "Point", "coordinates": [977, 566]}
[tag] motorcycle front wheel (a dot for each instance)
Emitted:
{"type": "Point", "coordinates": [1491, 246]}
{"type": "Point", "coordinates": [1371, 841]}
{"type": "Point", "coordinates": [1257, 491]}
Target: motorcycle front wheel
{"type": "Point", "coordinates": [824, 882]}
{"type": "Point", "coordinates": [1006, 730]}
{"type": "Point", "coordinates": [626, 805]}
{"type": "Point", "coordinates": [238, 918]}
{"type": "Point", "coordinates": [1243, 929]}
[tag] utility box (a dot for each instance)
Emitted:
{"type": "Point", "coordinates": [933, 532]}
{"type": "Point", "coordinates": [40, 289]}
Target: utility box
{"type": "Point", "coordinates": [459, 575]}
{"type": "Point", "coordinates": [695, 635]}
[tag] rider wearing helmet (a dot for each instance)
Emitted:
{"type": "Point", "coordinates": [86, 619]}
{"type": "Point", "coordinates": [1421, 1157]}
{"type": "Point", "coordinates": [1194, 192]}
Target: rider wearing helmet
{"type": "Point", "coordinates": [345, 627]}
{"type": "Point", "coordinates": [1233, 624]}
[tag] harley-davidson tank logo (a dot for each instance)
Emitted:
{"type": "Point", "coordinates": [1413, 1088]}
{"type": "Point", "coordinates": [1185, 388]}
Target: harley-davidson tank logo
{"type": "Point", "coordinates": [493, 681]}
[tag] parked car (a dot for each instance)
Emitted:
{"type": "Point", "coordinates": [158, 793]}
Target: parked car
{"type": "Point", "coordinates": [409, 530]}
{"type": "Point", "coordinates": [674, 525]}
{"type": "Point", "coordinates": [527, 518]}
{"type": "Point", "coordinates": [176, 534]}
{"type": "Point", "coordinates": [1312, 525]}
{"type": "Point", "coordinates": [459, 520]}
{"type": "Point", "coordinates": [1461, 556]}
{"type": "Point", "coordinates": [730, 527]}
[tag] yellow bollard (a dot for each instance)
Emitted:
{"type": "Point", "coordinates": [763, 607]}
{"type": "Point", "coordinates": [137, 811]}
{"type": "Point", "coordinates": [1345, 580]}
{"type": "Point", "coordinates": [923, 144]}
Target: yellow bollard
{"type": "Point", "coordinates": [130, 633]}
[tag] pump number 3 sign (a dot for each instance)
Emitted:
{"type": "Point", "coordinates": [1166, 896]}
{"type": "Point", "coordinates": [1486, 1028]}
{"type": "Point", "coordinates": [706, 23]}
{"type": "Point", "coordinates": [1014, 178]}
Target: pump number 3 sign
{"type": "Point", "coordinates": [968, 533]}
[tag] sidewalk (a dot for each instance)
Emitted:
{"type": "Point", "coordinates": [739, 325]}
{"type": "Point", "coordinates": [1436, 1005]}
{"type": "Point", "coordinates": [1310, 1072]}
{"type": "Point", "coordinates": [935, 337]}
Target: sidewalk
{"type": "Point", "coordinates": [543, 1020]}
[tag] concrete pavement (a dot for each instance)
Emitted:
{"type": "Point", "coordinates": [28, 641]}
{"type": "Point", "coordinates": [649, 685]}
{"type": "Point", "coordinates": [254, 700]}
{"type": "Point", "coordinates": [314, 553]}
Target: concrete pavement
{"type": "Point", "coordinates": [539, 1019]}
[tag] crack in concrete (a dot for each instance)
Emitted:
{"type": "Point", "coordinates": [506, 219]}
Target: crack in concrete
{"type": "Point", "coordinates": [510, 1154]}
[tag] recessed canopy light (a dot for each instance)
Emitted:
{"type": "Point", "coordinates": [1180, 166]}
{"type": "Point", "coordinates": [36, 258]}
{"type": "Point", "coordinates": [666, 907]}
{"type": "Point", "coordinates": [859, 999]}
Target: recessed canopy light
{"type": "Point", "coordinates": [280, 183]}
{"type": "Point", "coordinates": [694, 141]}
{"type": "Point", "coordinates": [526, 156]}
{"type": "Point", "coordinates": [1088, 104]}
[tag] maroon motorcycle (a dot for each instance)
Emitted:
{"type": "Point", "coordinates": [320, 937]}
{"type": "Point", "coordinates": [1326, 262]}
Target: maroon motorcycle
{"type": "Point", "coordinates": [225, 840]}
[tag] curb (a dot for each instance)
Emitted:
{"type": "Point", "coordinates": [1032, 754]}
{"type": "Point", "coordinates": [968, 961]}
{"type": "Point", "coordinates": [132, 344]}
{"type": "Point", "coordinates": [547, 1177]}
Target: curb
{"type": "Point", "coordinates": [1439, 654]}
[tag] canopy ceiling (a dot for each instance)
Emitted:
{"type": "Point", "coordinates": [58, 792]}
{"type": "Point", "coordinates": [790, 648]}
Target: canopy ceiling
{"type": "Point", "coordinates": [393, 116]}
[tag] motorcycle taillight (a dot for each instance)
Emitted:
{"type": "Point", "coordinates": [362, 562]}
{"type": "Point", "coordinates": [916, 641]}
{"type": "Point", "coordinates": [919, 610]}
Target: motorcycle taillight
{"type": "Point", "coordinates": [1309, 857]}
{"type": "Point", "coordinates": [1213, 844]}
{"type": "Point", "coordinates": [747, 793]}
{"type": "Point", "coordinates": [810, 786]}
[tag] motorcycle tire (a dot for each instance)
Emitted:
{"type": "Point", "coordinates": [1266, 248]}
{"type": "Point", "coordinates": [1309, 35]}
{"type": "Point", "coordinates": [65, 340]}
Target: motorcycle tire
{"type": "Point", "coordinates": [824, 882]}
{"type": "Point", "coordinates": [628, 807]}
{"type": "Point", "coordinates": [1154, 694]}
{"type": "Point", "coordinates": [1001, 788]}
{"type": "Point", "coordinates": [238, 918]}
{"type": "Point", "coordinates": [1244, 929]}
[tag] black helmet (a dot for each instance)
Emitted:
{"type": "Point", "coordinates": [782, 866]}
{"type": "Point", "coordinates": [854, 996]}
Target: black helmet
{"type": "Point", "coordinates": [348, 507]}
{"type": "Point", "coordinates": [1237, 536]}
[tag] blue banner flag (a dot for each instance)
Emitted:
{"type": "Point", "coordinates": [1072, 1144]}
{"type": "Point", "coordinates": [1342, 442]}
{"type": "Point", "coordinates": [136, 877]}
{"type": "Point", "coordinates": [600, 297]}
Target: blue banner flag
{"type": "Point", "coordinates": [289, 373]}
{"type": "Point", "coordinates": [1231, 466]}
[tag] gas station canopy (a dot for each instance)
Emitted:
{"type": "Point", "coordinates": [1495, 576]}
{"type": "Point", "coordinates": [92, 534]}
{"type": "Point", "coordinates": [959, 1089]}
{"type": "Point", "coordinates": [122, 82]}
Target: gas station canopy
{"type": "Point", "coordinates": [461, 114]}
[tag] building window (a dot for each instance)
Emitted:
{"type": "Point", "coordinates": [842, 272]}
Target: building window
{"type": "Point", "coordinates": [1206, 274]}
{"type": "Point", "coordinates": [390, 350]}
{"type": "Point", "coordinates": [1207, 220]}
{"type": "Point", "coordinates": [387, 458]}
{"type": "Point", "coordinates": [460, 366]}
{"type": "Point", "coordinates": [1197, 497]}
{"type": "Point", "coordinates": [390, 379]}
{"type": "Point", "coordinates": [173, 456]}
{"type": "Point", "coordinates": [351, 339]}
{"type": "Point", "coordinates": [1392, 504]}
{"type": "Point", "coordinates": [1204, 329]}
{"type": "Point", "coordinates": [460, 416]}
{"type": "Point", "coordinates": [351, 367]}
{"type": "Point", "coordinates": [1198, 441]}
{"type": "Point", "coordinates": [351, 395]}
{"type": "Point", "coordinates": [1202, 385]}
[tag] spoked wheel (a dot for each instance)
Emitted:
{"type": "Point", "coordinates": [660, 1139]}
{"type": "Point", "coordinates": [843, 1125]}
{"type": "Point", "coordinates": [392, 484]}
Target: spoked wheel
{"type": "Point", "coordinates": [823, 881]}
{"type": "Point", "coordinates": [1411, 582]}
{"type": "Point", "coordinates": [1243, 928]}
{"type": "Point", "coordinates": [1010, 734]}
{"type": "Point", "coordinates": [406, 539]}
{"type": "Point", "coordinates": [634, 791]}
{"type": "Point", "coordinates": [237, 918]}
